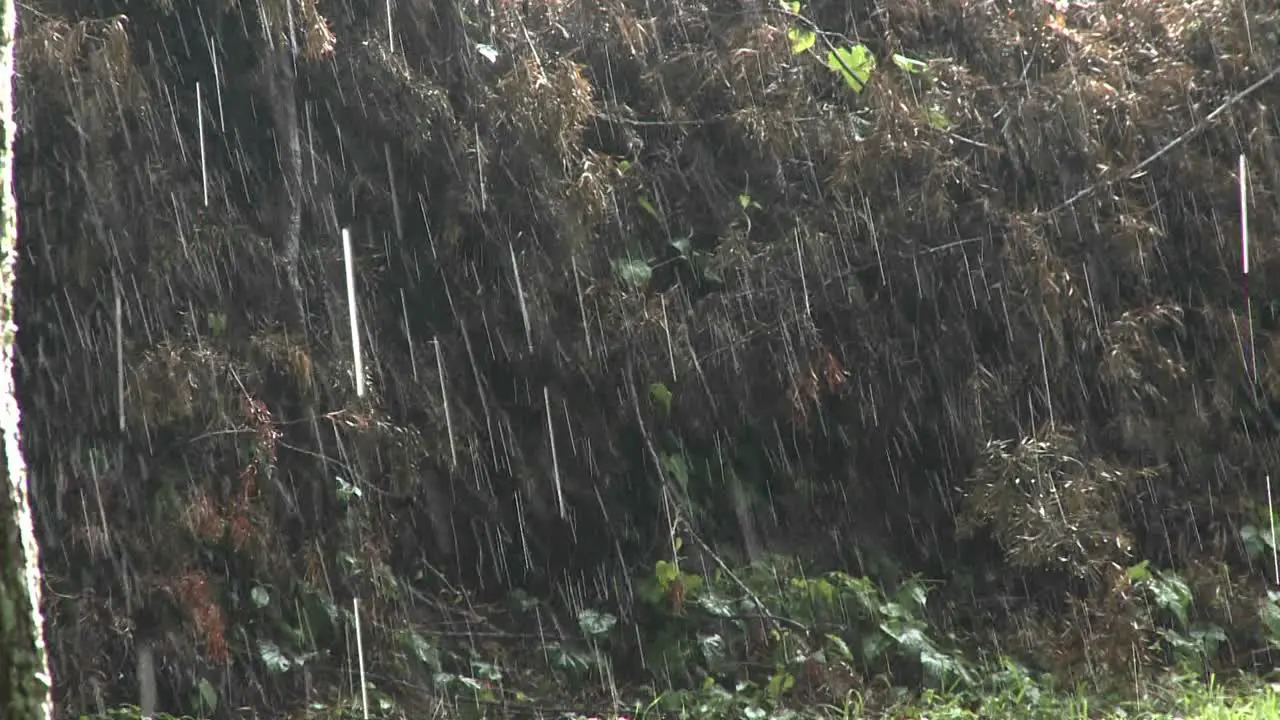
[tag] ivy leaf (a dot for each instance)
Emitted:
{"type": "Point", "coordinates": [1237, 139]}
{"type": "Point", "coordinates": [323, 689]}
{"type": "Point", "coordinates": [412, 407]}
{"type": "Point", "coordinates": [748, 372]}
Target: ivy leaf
{"type": "Point", "coordinates": [854, 64]}
{"type": "Point", "coordinates": [910, 65]}
{"type": "Point", "coordinates": [801, 39]}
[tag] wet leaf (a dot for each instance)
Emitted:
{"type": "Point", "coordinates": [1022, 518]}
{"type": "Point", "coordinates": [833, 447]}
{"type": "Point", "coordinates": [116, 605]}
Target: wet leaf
{"type": "Point", "coordinates": [660, 396]}
{"type": "Point", "coordinates": [633, 273]}
{"type": "Point", "coordinates": [272, 657]}
{"type": "Point", "coordinates": [801, 39]}
{"type": "Point", "coordinates": [208, 696]}
{"type": "Point", "coordinates": [854, 64]}
{"type": "Point", "coordinates": [647, 205]}
{"type": "Point", "coordinates": [595, 623]}
{"type": "Point", "coordinates": [910, 65]}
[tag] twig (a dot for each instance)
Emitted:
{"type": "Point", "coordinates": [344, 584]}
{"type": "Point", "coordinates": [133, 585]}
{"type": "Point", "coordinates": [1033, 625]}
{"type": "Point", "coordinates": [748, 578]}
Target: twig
{"type": "Point", "coordinates": [1192, 132]}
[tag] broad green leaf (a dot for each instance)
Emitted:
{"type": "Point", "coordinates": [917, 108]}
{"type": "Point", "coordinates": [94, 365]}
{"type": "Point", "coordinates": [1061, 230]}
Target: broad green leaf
{"type": "Point", "coordinates": [713, 647]}
{"type": "Point", "coordinates": [938, 119]}
{"type": "Point", "coordinates": [427, 653]}
{"type": "Point", "coordinates": [854, 64]}
{"type": "Point", "coordinates": [910, 65]}
{"type": "Point", "coordinates": [1172, 593]}
{"type": "Point", "coordinates": [839, 647]}
{"type": "Point", "coordinates": [272, 657]}
{"type": "Point", "coordinates": [208, 696]}
{"type": "Point", "coordinates": [1139, 572]}
{"type": "Point", "coordinates": [715, 605]}
{"type": "Point", "coordinates": [648, 207]}
{"type": "Point", "coordinates": [801, 39]}
{"type": "Point", "coordinates": [594, 622]}
{"type": "Point", "coordinates": [661, 396]}
{"type": "Point", "coordinates": [665, 572]}
{"type": "Point", "coordinates": [634, 273]}
{"type": "Point", "coordinates": [790, 5]}
{"type": "Point", "coordinates": [676, 466]}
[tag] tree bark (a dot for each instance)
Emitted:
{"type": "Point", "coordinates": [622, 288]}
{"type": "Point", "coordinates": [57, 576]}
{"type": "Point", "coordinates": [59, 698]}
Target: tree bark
{"type": "Point", "coordinates": [24, 668]}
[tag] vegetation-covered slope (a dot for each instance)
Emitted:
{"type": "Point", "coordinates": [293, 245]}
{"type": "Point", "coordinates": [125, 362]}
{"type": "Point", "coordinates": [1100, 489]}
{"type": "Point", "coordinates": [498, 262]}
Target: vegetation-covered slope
{"type": "Point", "coordinates": [809, 278]}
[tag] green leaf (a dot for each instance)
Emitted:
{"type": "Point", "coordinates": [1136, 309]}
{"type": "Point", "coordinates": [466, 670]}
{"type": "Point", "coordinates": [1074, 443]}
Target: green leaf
{"type": "Point", "coordinates": [1172, 593]}
{"type": "Point", "coordinates": [272, 657]}
{"type": "Point", "coordinates": [937, 119]}
{"type": "Point", "coordinates": [801, 39]}
{"type": "Point", "coordinates": [427, 653]}
{"type": "Point", "coordinates": [1255, 542]}
{"type": "Point", "coordinates": [839, 648]}
{"type": "Point", "coordinates": [647, 205]}
{"type": "Point", "coordinates": [713, 648]}
{"type": "Point", "coordinates": [1140, 572]}
{"type": "Point", "coordinates": [633, 273]}
{"type": "Point", "coordinates": [260, 597]}
{"type": "Point", "coordinates": [208, 696]}
{"type": "Point", "coordinates": [594, 622]}
{"type": "Point", "coordinates": [715, 605]}
{"type": "Point", "coordinates": [790, 5]}
{"type": "Point", "coordinates": [665, 572]}
{"type": "Point", "coordinates": [660, 396]}
{"type": "Point", "coordinates": [347, 491]}
{"type": "Point", "coordinates": [854, 64]}
{"type": "Point", "coordinates": [676, 466]}
{"type": "Point", "coordinates": [910, 65]}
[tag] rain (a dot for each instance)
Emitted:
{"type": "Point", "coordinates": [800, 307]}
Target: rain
{"type": "Point", "coordinates": [648, 358]}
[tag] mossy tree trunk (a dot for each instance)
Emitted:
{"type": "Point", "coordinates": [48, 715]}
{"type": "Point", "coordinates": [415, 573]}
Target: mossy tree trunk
{"type": "Point", "coordinates": [24, 670]}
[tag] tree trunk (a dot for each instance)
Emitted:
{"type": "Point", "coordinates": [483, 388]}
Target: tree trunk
{"type": "Point", "coordinates": [24, 669]}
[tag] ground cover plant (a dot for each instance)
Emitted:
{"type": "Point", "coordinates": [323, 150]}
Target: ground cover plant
{"type": "Point", "coordinates": [715, 357]}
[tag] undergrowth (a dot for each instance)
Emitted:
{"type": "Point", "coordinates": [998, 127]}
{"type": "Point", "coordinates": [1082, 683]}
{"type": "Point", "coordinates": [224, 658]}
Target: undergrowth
{"type": "Point", "coordinates": [770, 640]}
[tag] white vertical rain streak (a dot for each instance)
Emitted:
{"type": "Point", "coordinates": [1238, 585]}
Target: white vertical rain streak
{"type": "Point", "coordinates": [395, 197]}
{"type": "Point", "coordinates": [666, 327]}
{"type": "Point", "coordinates": [356, 361]}
{"type": "Point", "coordinates": [1252, 359]}
{"type": "Point", "coordinates": [444, 399]}
{"type": "Point", "coordinates": [119, 352]}
{"type": "Point", "coordinates": [582, 306]}
{"type": "Point", "coordinates": [484, 202]}
{"type": "Point", "coordinates": [524, 306]}
{"type": "Point", "coordinates": [217, 87]}
{"type": "Point", "coordinates": [408, 335]}
{"type": "Point", "coordinates": [804, 283]}
{"type": "Point", "coordinates": [364, 687]}
{"type": "Point", "coordinates": [204, 168]}
{"type": "Point", "coordinates": [555, 460]}
{"type": "Point", "coordinates": [1275, 552]}
{"type": "Point", "coordinates": [391, 35]}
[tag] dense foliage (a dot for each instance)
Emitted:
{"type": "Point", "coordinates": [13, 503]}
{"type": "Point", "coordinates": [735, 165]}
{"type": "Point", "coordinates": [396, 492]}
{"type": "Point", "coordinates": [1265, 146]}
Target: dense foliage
{"type": "Point", "coordinates": [942, 288]}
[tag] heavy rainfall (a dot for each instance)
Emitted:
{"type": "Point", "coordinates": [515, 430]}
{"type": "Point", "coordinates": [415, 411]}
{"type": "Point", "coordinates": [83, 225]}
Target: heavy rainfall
{"type": "Point", "coordinates": [648, 358]}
